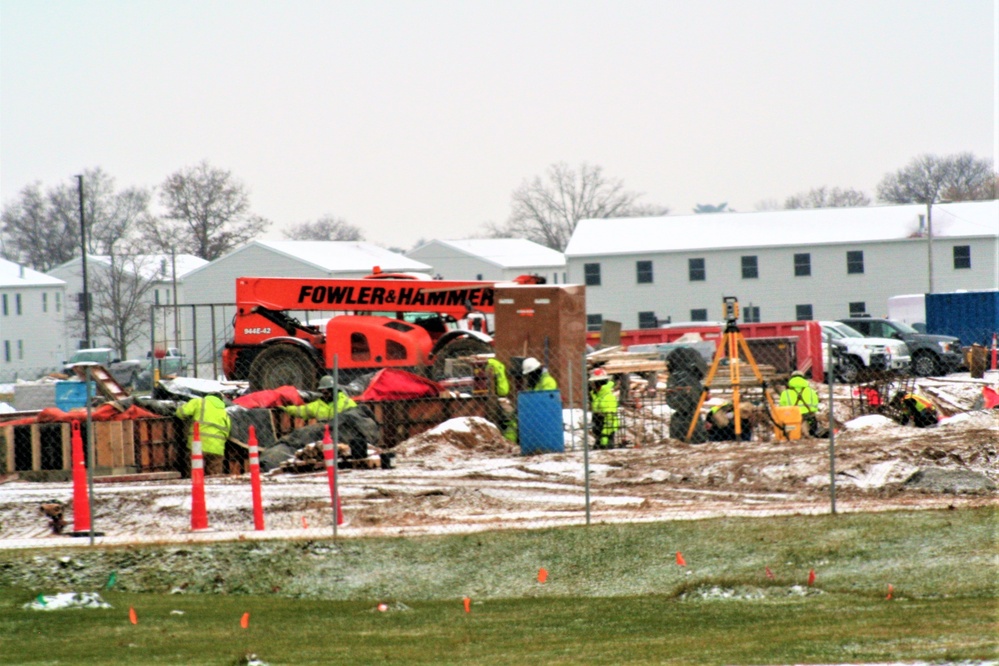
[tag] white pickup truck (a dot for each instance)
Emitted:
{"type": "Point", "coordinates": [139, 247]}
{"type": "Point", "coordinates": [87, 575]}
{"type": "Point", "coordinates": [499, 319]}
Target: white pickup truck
{"type": "Point", "coordinates": [864, 353]}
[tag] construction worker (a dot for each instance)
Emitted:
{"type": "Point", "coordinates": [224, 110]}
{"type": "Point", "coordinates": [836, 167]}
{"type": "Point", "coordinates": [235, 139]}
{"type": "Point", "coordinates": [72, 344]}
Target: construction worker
{"type": "Point", "coordinates": [721, 422]}
{"type": "Point", "coordinates": [214, 426]}
{"type": "Point", "coordinates": [536, 377]}
{"type": "Point", "coordinates": [916, 408]}
{"type": "Point", "coordinates": [603, 404]}
{"type": "Point", "coordinates": [801, 395]}
{"type": "Point", "coordinates": [322, 409]}
{"type": "Point", "coordinates": [501, 383]}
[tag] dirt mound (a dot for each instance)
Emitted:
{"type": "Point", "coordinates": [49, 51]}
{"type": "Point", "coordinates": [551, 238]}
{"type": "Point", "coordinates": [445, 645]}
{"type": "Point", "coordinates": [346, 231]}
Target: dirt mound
{"type": "Point", "coordinates": [464, 437]}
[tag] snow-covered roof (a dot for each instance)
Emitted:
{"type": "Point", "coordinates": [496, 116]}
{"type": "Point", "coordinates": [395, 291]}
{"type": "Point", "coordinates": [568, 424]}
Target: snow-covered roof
{"type": "Point", "coordinates": [151, 266]}
{"type": "Point", "coordinates": [16, 275]}
{"type": "Point", "coordinates": [506, 252]}
{"type": "Point", "coordinates": [714, 231]}
{"type": "Point", "coordinates": [344, 256]}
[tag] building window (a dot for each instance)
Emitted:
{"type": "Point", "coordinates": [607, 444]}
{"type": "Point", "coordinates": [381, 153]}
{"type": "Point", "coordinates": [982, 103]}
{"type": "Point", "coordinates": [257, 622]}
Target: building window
{"type": "Point", "coordinates": [17, 303]}
{"type": "Point", "coordinates": [855, 261]}
{"type": "Point", "coordinates": [647, 320]}
{"type": "Point", "coordinates": [695, 267]}
{"type": "Point", "coordinates": [643, 271]}
{"type": "Point", "coordinates": [594, 322]}
{"type": "Point", "coordinates": [45, 301]}
{"type": "Point", "coordinates": [478, 276]}
{"type": "Point", "coordinates": [4, 305]}
{"type": "Point", "coordinates": [858, 309]}
{"type": "Point", "coordinates": [591, 274]}
{"type": "Point", "coordinates": [6, 351]}
{"type": "Point", "coordinates": [803, 312]}
{"type": "Point", "coordinates": [802, 264]}
{"type": "Point", "coordinates": [751, 314]}
{"type": "Point", "coordinates": [58, 302]}
{"type": "Point", "coordinates": [20, 350]}
{"type": "Point", "coordinates": [156, 296]}
{"type": "Point", "coordinates": [699, 314]}
{"type": "Point", "coordinates": [962, 256]}
{"type": "Point", "coordinates": [750, 268]}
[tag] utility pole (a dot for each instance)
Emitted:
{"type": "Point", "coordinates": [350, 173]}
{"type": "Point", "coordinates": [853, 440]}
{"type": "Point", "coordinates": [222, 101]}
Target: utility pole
{"type": "Point", "coordinates": [929, 242]}
{"type": "Point", "coordinates": [83, 259]}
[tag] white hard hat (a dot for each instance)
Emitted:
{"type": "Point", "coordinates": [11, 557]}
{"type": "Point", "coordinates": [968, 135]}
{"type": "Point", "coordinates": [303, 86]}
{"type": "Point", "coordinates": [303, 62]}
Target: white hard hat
{"type": "Point", "coordinates": [530, 365]}
{"type": "Point", "coordinates": [598, 375]}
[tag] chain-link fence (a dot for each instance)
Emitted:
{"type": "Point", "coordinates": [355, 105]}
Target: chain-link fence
{"type": "Point", "coordinates": [521, 435]}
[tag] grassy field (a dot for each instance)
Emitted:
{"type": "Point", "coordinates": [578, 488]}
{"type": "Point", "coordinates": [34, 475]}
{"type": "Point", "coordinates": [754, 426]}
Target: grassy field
{"type": "Point", "coordinates": [614, 595]}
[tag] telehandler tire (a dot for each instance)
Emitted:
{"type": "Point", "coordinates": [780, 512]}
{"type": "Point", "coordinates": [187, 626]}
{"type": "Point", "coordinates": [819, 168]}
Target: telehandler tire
{"type": "Point", "coordinates": [283, 365]}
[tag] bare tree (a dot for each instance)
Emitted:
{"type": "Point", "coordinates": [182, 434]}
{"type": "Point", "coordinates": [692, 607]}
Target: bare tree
{"type": "Point", "coordinates": [207, 213]}
{"type": "Point", "coordinates": [823, 197]}
{"type": "Point", "coordinates": [547, 211]}
{"type": "Point", "coordinates": [929, 178]}
{"type": "Point", "coordinates": [121, 283]}
{"type": "Point", "coordinates": [326, 228]}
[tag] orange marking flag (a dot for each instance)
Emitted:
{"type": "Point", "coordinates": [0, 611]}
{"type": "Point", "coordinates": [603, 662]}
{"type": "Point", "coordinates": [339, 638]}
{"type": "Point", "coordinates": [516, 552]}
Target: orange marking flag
{"type": "Point", "coordinates": [770, 574]}
{"type": "Point", "coordinates": [245, 621]}
{"type": "Point", "coordinates": [468, 605]}
{"type": "Point", "coordinates": [811, 577]}
{"type": "Point", "coordinates": [542, 575]}
{"type": "Point", "coordinates": [679, 559]}
{"type": "Point", "coordinates": [891, 590]}
{"type": "Point", "coordinates": [132, 617]}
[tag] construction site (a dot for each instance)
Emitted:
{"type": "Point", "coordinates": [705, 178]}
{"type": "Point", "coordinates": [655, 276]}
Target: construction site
{"type": "Point", "coordinates": [432, 442]}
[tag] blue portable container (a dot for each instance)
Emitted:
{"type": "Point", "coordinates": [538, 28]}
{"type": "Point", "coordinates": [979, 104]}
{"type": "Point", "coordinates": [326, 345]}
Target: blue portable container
{"type": "Point", "coordinates": [539, 422]}
{"type": "Point", "coordinates": [70, 395]}
{"type": "Point", "coordinates": [972, 316]}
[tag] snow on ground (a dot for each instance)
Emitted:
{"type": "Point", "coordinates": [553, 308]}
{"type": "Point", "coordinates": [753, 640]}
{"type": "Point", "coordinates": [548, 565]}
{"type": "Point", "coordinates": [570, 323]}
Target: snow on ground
{"type": "Point", "coordinates": [463, 476]}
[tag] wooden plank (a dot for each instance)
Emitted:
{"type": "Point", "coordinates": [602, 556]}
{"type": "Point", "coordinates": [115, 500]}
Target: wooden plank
{"type": "Point", "coordinates": [102, 443]}
{"type": "Point", "coordinates": [621, 367]}
{"type": "Point", "coordinates": [36, 448]}
{"type": "Point", "coordinates": [128, 443]}
{"type": "Point", "coordinates": [67, 447]}
{"type": "Point", "coordinates": [8, 442]}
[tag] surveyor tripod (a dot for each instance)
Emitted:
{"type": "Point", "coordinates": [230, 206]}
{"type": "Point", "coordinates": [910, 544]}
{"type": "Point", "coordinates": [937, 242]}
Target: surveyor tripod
{"type": "Point", "coordinates": [729, 347]}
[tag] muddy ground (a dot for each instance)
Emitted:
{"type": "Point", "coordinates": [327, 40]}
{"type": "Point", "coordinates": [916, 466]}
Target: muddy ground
{"type": "Point", "coordinates": [463, 476]}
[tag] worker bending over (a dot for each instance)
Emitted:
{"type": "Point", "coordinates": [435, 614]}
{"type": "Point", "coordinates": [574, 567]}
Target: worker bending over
{"type": "Point", "coordinates": [323, 408]}
{"type": "Point", "coordinates": [801, 395]}
{"type": "Point", "coordinates": [213, 427]}
{"type": "Point", "coordinates": [917, 409]}
{"type": "Point", "coordinates": [536, 377]}
{"type": "Point", "coordinates": [603, 404]}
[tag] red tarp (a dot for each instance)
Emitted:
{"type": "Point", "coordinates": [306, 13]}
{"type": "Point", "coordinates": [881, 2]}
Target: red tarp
{"type": "Point", "coordinates": [106, 412]}
{"type": "Point", "coordinates": [390, 384]}
{"type": "Point", "coordinates": [991, 397]}
{"type": "Point", "coordinates": [279, 397]}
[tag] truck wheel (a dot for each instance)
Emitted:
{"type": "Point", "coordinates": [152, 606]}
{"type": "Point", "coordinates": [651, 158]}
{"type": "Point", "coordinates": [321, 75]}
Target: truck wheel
{"type": "Point", "coordinates": [925, 364]}
{"type": "Point", "coordinates": [283, 365]}
{"type": "Point", "coordinates": [456, 349]}
{"type": "Point", "coordinates": [849, 370]}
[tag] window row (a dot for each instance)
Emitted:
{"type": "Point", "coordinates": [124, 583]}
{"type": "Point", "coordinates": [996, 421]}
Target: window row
{"type": "Point", "coordinates": [15, 305]}
{"type": "Point", "coordinates": [750, 264]}
{"type": "Point", "coordinates": [750, 315]}
{"type": "Point", "coordinates": [8, 355]}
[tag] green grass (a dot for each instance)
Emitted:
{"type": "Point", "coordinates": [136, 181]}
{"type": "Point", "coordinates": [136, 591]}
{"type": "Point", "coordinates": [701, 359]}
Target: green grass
{"type": "Point", "coordinates": [614, 595]}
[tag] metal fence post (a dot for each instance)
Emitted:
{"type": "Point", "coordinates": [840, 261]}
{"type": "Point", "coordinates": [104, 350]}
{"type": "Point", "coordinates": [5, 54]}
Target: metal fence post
{"type": "Point", "coordinates": [90, 456]}
{"type": "Point", "coordinates": [586, 450]}
{"type": "Point", "coordinates": [832, 432]}
{"type": "Point", "coordinates": [336, 439]}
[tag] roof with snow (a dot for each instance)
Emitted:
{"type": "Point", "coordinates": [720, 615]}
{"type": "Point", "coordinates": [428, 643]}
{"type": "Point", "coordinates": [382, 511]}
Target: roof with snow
{"type": "Point", "coordinates": [150, 266]}
{"type": "Point", "coordinates": [344, 256]}
{"type": "Point", "coordinates": [16, 275]}
{"type": "Point", "coordinates": [506, 252]}
{"type": "Point", "coordinates": [715, 231]}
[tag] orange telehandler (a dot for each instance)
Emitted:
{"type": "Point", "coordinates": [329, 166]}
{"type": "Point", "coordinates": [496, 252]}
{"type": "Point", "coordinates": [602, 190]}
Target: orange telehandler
{"type": "Point", "coordinates": [380, 321]}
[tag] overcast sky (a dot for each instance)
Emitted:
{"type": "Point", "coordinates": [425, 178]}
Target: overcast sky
{"type": "Point", "coordinates": [418, 119]}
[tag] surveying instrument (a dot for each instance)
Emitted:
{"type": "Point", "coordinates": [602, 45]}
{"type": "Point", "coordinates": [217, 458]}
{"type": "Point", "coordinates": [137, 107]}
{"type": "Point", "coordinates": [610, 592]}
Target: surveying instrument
{"type": "Point", "coordinates": [729, 346]}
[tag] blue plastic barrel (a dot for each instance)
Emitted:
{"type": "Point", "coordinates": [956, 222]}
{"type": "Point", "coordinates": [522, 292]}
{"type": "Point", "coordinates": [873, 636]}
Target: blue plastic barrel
{"type": "Point", "coordinates": [539, 422]}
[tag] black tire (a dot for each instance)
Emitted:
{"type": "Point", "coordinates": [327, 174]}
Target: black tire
{"type": "Point", "coordinates": [925, 364]}
{"type": "Point", "coordinates": [850, 369]}
{"type": "Point", "coordinates": [454, 349]}
{"type": "Point", "coordinates": [283, 365]}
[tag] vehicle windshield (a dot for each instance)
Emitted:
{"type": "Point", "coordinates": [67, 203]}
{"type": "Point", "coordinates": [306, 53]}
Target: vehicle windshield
{"type": "Point", "coordinates": [88, 357]}
{"type": "Point", "coordinates": [902, 326]}
{"type": "Point", "coordinates": [842, 331]}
